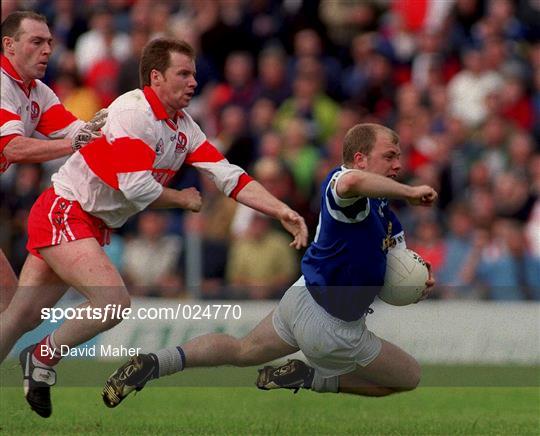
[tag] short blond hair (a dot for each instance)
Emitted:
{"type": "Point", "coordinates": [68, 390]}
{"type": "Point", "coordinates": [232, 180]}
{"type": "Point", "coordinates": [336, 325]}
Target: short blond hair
{"type": "Point", "coordinates": [362, 137]}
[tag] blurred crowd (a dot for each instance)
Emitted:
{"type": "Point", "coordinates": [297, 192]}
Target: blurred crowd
{"type": "Point", "coordinates": [279, 84]}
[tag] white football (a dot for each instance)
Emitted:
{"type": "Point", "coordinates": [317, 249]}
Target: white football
{"type": "Point", "coordinates": [405, 278]}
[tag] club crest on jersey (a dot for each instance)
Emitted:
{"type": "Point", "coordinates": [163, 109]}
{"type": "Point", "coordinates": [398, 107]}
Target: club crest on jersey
{"type": "Point", "coordinates": [389, 241]}
{"type": "Point", "coordinates": [34, 110]}
{"type": "Point", "coordinates": [181, 143]}
{"type": "Point", "coordinates": [159, 146]}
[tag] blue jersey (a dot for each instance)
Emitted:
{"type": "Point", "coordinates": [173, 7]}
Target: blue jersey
{"type": "Point", "coordinates": [344, 266]}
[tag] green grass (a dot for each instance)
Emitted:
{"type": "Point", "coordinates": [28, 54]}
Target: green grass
{"type": "Point", "coordinates": [176, 405]}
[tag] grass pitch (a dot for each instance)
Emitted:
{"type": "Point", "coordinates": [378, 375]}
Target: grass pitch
{"type": "Point", "coordinates": [507, 405]}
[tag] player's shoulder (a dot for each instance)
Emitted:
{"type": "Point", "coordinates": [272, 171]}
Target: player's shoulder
{"type": "Point", "coordinates": [333, 176]}
{"type": "Point", "coordinates": [44, 95]}
{"type": "Point", "coordinates": [132, 102]}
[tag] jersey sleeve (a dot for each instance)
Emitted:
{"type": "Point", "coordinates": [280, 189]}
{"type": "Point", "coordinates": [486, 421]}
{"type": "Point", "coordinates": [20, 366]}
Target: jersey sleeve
{"type": "Point", "coordinates": [56, 122]}
{"type": "Point", "coordinates": [124, 157]}
{"type": "Point", "coordinates": [347, 210]}
{"type": "Point", "coordinates": [230, 179]}
{"type": "Point", "coordinates": [10, 120]}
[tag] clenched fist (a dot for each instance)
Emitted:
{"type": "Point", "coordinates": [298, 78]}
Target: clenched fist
{"type": "Point", "coordinates": [190, 199]}
{"type": "Point", "coordinates": [422, 195]}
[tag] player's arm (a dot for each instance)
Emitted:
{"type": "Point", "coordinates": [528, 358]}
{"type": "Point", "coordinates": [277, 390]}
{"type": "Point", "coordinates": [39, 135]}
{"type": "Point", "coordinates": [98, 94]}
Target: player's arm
{"type": "Point", "coordinates": [254, 195]}
{"type": "Point", "coordinates": [189, 199]}
{"type": "Point", "coordinates": [31, 150]}
{"type": "Point", "coordinates": [234, 182]}
{"type": "Point", "coordinates": [20, 149]}
{"type": "Point", "coordinates": [123, 159]}
{"type": "Point", "coordinates": [358, 183]}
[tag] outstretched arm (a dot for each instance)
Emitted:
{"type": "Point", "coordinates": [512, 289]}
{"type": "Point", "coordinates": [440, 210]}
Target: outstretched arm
{"type": "Point", "coordinates": [254, 195]}
{"type": "Point", "coordinates": [358, 183]}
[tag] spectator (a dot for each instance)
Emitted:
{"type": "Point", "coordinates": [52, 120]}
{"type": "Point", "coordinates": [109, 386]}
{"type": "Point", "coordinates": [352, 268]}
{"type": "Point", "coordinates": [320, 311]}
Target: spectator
{"type": "Point", "coordinates": [512, 197]}
{"type": "Point", "coordinates": [504, 266]}
{"type": "Point", "coordinates": [469, 88]}
{"type": "Point", "coordinates": [213, 226]}
{"type": "Point", "coordinates": [310, 103]}
{"type": "Point", "coordinates": [457, 246]}
{"type": "Point", "coordinates": [308, 44]}
{"type": "Point", "coordinates": [128, 74]}
{"type": "Point", "coordinates": [151, 257]}
{"type": "Point", "coordinates": [261, 117]}
{"type": "Point", "coordinates": [81, 101]}
{"type": "Point", "coordinates": [239, 87]}
{"type": "Point", "coordinates": [300, 155]}
{"type": "Point", "coordinates": [261, 264]}
{"type": "Point", "coordinates": [101, 41]}
{"type": "Point", "coordinates": [233, 139]}
{"type": "Point", "coordinates": [273, 83]}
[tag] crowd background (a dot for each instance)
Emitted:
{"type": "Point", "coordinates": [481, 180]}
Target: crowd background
{"type": "Point", "coordinates": [280, 83]}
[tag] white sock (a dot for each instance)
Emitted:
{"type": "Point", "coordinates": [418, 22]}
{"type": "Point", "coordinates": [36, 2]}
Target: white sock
{"type": "Point", "coordinates": [328, 384]}
{"type": "Point", "coordinates": [51, 343]}
{"type": "Point", "coordinates": [170, 360]}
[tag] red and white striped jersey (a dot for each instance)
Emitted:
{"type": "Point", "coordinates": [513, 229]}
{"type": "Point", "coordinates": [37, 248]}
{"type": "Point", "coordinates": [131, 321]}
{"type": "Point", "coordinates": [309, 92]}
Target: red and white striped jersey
{"type": "Point", "coordinates": [33, 111]}
{"type": "Point", "coordinates": [141, 149]}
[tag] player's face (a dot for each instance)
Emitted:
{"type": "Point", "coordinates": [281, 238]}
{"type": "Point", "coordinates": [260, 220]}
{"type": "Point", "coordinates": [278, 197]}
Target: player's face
{"type": "Point", "coordinates": [385, 157]}
{"type": "Point", "coordinates": [31, 51]}
{"type": "Point", "coordinates": [178, 83]}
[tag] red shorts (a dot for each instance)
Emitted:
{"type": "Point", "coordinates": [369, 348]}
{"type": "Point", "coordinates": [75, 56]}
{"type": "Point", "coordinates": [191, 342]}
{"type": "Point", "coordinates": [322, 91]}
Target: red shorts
{"type": "Point", "coordinates": [53, 219]}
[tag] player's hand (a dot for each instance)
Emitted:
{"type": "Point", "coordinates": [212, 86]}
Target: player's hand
{"type": "Point", "coordinates": [83, 137]}
{"type": "Point", "coordinates": [296, 226]}
{"type": "Point", "coordinates": [430, 283]}
{"type": "Point", "coordinates": [423, 195]}
{"type": "Point", "coordinates": [98, 120]}
{"type": "Point", "coordinates": [90, 130]}
{"type": "Point", "coordinates": [190, 199]}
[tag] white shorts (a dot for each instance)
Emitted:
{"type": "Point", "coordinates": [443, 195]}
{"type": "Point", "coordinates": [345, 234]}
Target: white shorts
{"type": "Point", "coordinates": [331, 345]}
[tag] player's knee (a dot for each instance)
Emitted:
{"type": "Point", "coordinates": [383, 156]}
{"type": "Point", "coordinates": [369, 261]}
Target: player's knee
{"type": "Point", "coordinates": [118, 298]}
{"type": "Point", "coordinates": [416, 376]}
{"type": "Point", "coordinates": [413, 376]}
{"type": "Point", "coordinates": [114, 307]}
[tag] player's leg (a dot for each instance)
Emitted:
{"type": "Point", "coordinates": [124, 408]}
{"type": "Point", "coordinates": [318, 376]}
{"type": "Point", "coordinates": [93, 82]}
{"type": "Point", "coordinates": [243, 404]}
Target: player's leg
{"type": "Point", "coordinates": [261, 345]}
{"type": "Point", "coordinates": [39, 287]}
{"type": "Point", "coordinates": [84, 265]}
{"type": "Point", "coordinates": [8, 282]}
{"type": "Point", "coordinates": [392, 371]}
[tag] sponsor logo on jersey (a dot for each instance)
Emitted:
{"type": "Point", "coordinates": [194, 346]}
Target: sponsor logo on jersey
{"type": "Point", "coordinates": [181, 143]}
{"type": "Point", "coordinates": [34, 110]}
{"type": "Point", "coordinates": [159, 146]}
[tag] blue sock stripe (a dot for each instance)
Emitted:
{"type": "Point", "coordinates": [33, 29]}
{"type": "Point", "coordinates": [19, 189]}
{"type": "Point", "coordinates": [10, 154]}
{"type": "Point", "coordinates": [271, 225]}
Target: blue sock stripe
{"type": "Point", "coordinates": [182, 356]}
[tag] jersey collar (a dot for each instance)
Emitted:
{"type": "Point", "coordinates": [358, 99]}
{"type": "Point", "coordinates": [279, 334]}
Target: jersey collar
{"type": "Point", "coordinates": [10, 71]}
{"type": "Point", "coordinates": [157, 106]}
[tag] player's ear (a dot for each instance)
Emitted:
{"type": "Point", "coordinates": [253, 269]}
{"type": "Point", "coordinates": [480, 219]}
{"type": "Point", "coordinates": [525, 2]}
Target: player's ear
{"type": "Point", "coordinates": [155, 76]}
{"type": "Point", "coordinates": [360, 160]}
{"type": "Point", "coordinates": [7, 44]}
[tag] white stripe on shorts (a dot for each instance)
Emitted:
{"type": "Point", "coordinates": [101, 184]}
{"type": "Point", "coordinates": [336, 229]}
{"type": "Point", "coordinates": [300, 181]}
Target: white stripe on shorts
{"type": "Point", "coordinates": [53, 240]}
{"type": "Point", "coordinates": [70, 233]}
